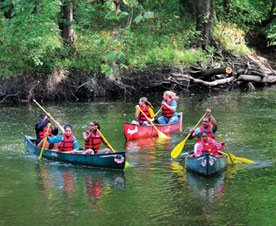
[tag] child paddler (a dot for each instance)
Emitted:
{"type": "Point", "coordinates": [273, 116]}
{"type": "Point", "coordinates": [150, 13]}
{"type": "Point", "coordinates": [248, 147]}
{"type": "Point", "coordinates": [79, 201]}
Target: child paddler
{"type": "Point", "coordinates": [168, 105]}
{"type": "Point", "coordinates": [93, 140]}
{"type": "Point", "coordinates": [146, 107]}
{"type": "Point", "coordinates": [65, 142]}
{"type": "Point", "coordinates": [207, 145]}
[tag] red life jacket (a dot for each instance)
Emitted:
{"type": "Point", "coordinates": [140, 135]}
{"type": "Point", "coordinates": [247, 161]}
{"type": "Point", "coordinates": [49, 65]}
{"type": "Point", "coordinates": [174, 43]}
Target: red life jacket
{"type": "Point", "coordinates": [94, 141]}
{"type": "Point", "coordinates": [142, 117]}
{"type": "Point", "coordinates": [66, 144]}
{"type": "Point", "coordinates": [42, 133]}
{"type": "Point", "coordinates": [166, 111]}
{"type": "Point", "coordinates": [209, 148]}
{"type": "Point", "coordinates": [208, 130]}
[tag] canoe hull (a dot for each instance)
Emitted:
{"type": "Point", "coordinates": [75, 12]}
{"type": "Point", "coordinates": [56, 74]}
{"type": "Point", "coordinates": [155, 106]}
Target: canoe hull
{"type": "Point", "coordinates": [132, 131]}
{"type": "Point", "coordinates": [112, 160]}
{"type": "Point", "coordinates": [206, 164]}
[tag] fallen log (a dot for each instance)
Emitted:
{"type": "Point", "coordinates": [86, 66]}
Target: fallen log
{"type": "Point", "coordinates": [252, 78]}
{"type": "Point", "coordinates": [247, 78]}
{"type": "Point", "coordinates": [205, 83]}
{"type": "Point", "coordinates": [211, 72]}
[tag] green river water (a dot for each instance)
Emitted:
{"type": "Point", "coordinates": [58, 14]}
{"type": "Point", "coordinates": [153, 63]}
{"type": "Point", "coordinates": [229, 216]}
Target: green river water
{"type": "Point", "coordinates": [154, 190]}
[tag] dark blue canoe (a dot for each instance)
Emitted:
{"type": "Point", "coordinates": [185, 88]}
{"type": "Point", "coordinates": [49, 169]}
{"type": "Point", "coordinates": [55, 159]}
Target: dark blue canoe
{"type": "Point", "coordinates": [206, 164]}
{"type": "Point", "coordinates": [112, 160]}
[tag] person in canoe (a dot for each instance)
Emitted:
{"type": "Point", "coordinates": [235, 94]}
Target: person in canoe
{"type": "Point", "coordinates": [146, 107]}
{"type": "Point", "coordinates": [209, 124]}
{"type": "Point", "coordinates": [65, 142]}
{"type": "Point", "coordinates": [207, 145]}
{"type": "Point", "coordinates": [41, 128]}
{"type": "Point", "coordinates": [168, 105]}
{"type": "Point", "coordinates": [93, 140]}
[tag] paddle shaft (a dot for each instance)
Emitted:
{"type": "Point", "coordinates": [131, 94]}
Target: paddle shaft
{"type": "Point", "coordinates": [43, 145]}
{"type": "Point", "coordinates": [159, 132]}
{"type": "Point", "coordinates": [61, 128]}
{"type": "Point", "coordinates": [106, 140]}
{"type": "Point", "coordinates": [158, 112]}
{"type": "Point", "coordinates": [178, 148]}
{"type": "Point", "coordinates": [220, 136]}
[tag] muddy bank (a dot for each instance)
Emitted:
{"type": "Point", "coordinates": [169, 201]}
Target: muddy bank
{"type": "Point", "coordinates": [247, 73]}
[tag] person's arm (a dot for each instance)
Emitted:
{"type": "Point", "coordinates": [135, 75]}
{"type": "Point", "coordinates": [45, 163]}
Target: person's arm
{"type": "Point", "coordinates": [86, 137]}
{"type": "Point", "coordinates": [151, 113]}
{"type": "Point", "coordinates": [172, 107]}
{"type": "Point", "coordinates": [212, 120]}
{"type": "Point", "coordinates": [43, 124]}
{"type": "Point", "coordinates": [75, 143]}
{"type": "Point", "coordinates": [137, 112]}
{"type": "Point", "coordinates": [194, 133]}
{"type": "Point", "coordinates": [54, 140]}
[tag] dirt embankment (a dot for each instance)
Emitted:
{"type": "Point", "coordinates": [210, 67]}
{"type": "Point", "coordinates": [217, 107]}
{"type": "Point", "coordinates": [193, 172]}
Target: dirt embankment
{"type": "Point", "coordinates": [245, 72]}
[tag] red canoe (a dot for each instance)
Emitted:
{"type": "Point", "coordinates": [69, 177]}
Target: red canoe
{"type": "Point", "coordinates": [134, 131]}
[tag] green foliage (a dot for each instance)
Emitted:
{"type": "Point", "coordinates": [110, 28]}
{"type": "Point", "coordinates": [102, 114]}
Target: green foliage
{"type": "Point", "coordinates": [231, 38]}
{"type": "Point", "coordinates": [136, 35]}
{"type": "Point", "coordinates": [271, 32]}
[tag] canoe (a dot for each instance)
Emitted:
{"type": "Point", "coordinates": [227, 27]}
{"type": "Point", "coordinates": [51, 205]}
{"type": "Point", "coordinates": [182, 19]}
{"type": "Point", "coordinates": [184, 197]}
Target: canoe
{"type": "Point", "coordinates": [132, 131]}
{"type": "Point", "coordinates": [112, 160]}
{"type": "Point", "coordinates": [206, 164]}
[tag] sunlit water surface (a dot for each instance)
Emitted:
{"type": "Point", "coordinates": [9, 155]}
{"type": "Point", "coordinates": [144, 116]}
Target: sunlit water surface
{"type": "Point", "coordinates": [154, 189]}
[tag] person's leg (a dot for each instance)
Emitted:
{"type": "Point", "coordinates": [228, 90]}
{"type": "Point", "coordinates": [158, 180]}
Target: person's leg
{"type": "Point", "coordinates": [173, 120]}
{"type": "Point", "coordinates": [145, 123]}
{"type": "Point", "coordinates": [162, 120]}
{"type": "Point", "coordinates": [103, 151]}
{"type": "Point", "coordinates": [135, 123]}
{"type": "Point", "coordinates": [56, 146]}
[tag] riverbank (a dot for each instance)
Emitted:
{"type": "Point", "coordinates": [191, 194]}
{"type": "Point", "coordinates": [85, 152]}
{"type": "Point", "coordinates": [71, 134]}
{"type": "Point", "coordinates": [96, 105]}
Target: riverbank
{"type": "Point", "coordinates": [245, 72]}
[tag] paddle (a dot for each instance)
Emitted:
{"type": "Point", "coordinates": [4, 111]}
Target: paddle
{"type": "Point", "coordinates": [61, 128]}
{"type": "Point", "coordinates": [158, 112]}
{"type": "Point", "coordinates": [160, 134]}
{"type": "Point", "coordinates": [49, 124]}
{"type": "Point", "coordinates": [178, 148]}
{"type": "Point", "coordinates": [232, 157]}
{"type": "Point", "coordinates": [126, 163]}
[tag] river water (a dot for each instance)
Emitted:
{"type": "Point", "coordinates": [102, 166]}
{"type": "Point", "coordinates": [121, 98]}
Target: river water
{"type": "Point", "coordinates": [154, 189]}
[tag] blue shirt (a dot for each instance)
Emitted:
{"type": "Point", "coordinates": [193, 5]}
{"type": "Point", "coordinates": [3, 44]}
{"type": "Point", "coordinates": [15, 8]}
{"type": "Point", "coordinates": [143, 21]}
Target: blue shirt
{"type": "Point", "coordinates": [59, 138]}
{"type": "Point", "coordinates": [173, 104]}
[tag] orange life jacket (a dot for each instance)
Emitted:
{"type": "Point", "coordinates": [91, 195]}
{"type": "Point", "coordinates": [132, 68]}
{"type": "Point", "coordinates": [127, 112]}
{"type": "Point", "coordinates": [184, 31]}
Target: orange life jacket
{"type": "Point", "coordinates": [208, 130]}
{"type": "Point", "coordinates": [166, 111]}
{"type": "Point", "coordinates": [209, 148]}
{"type": "Point", "coordinates": [94, 141]}
{"type": "Point", "coordinates": [42, 133]}
{"type": "Point", "coordinates": [67, 143]}
{"type": "Point", "coordinates": [142, 117]}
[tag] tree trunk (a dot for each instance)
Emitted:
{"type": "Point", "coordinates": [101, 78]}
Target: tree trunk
{"type": "Point", "coordinates": [226, 6]}
{"type": "Point", "coordinates": [66, 27]}
{"type": "Point", "coordinates": [204, 10]}
{"type": "Point", "coordinates": [7, 8]}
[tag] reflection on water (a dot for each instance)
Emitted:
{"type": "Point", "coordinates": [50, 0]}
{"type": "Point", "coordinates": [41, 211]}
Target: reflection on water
{"type": "Point", "coordinates": [209, 188]}
{"type": "Point", "coordinates": [95, 183]}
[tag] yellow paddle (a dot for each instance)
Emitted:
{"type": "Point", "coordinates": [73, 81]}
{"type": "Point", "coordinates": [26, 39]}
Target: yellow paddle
{"type": "Point", "coordinates": [158, 112]}
{"type": "Point", "coordinates": [126, 163]}
{"type": "Point", "coordinates": [160, 134]}
{"type": "Point", "coordinates": [178, 148]}
{"type": "Point", "coordinates": [61, 128]}
{"type": "Point", "coordinates": [49, 124]}
{"type": "Point", "coordinates": [233, 158]}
